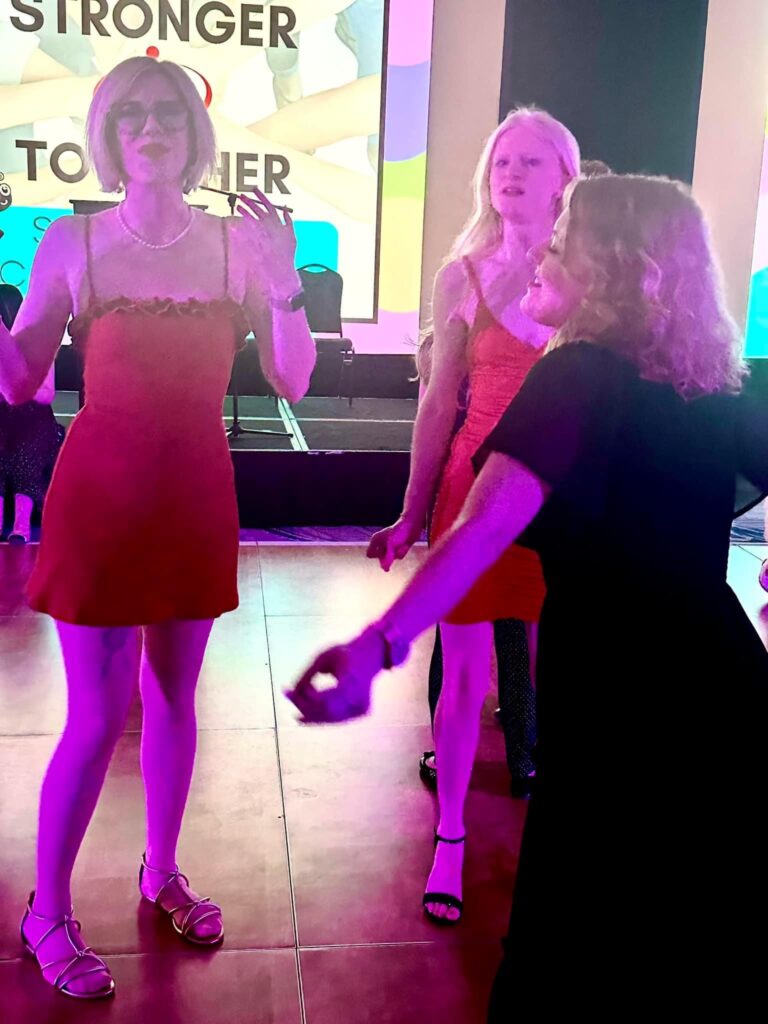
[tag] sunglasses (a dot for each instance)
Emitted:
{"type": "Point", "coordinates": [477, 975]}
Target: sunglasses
{"type": "Point", "coordinates": [131, 116]}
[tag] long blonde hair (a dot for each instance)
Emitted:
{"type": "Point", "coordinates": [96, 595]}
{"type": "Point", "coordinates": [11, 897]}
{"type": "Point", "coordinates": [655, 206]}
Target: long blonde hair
{"type": "Point", "coordinates": [656, 293]}
{"type": "Point", "coordinates": [482, 233]}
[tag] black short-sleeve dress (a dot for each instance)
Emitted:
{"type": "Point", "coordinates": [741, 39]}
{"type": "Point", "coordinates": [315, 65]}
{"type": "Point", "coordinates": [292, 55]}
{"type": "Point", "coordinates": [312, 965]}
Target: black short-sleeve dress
{"type": "Point", "coordinates": [643, 861]}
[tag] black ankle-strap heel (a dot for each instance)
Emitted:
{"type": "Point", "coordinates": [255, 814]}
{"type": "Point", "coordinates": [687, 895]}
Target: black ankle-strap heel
{"type": "Point", "coordinates": [445, 899]}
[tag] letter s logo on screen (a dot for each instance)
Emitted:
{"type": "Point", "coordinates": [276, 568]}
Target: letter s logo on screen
{"type": "Point", "coordinates": [6, 198]}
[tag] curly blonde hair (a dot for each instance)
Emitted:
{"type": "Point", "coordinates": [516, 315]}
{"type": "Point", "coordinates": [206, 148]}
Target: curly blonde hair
{"type": "Point", "coordinates": [655, 293]}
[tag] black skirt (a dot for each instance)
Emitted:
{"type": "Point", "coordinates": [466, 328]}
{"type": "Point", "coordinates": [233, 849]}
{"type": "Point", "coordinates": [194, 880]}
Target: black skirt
{"type": "Point", "coordinates": [29, 441]}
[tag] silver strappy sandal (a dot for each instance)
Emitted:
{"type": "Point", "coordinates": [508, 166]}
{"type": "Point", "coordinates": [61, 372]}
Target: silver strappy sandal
{"type": "Point", "coordinates": [82, 962]}
{"type": "Point", "coordinates": [191, 919]}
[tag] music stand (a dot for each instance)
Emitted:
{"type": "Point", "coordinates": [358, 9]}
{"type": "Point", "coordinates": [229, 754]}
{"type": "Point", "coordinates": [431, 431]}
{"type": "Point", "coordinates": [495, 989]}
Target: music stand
{"type": "Point", "coordinates": [236, 430]}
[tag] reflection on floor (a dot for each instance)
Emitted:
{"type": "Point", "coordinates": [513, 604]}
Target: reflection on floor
{"type": "Point", "coordinates": [316, 842]}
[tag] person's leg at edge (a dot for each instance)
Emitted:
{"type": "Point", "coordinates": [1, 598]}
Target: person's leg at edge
{"type": "Point", "coordinates": [466, 677]}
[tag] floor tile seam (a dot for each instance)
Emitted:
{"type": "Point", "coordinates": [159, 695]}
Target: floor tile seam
{"type": "Point", "coordinates": [181, 953]}
{"type": "Point", "coordinates": [308, 948]}
{"type": "Point", "coordinates": [397, 943]}
{"type": "Point", "coordinates": [286, 834]}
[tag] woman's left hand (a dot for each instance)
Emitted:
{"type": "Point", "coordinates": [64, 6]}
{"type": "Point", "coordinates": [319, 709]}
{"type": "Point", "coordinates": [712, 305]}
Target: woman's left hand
{"type": "Point", "coordinates": [271, 243]}
{"type": "Point", "coordinates": [353, 666]}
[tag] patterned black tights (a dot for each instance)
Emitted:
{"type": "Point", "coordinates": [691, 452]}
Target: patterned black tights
{"type": "Point", "coordinates": [517, 699]}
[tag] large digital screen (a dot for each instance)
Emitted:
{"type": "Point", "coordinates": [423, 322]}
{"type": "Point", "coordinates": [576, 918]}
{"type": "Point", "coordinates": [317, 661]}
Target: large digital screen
{"type": "Point", "coordinates": [756, 342]}
{"type": "Point", "coordinates": [321, 103]}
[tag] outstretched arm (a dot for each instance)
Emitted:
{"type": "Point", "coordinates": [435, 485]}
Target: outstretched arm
{"type": "Point", "coordinates": [504, 500]}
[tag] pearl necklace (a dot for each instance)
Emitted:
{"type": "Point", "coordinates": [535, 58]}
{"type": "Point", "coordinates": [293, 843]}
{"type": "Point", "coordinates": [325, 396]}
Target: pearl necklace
{"type": "Point", "coordinates": [153, 245]}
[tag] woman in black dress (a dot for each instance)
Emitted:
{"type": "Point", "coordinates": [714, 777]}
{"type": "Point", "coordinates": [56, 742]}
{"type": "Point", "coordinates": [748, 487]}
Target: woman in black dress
{"type": "Point", "coordinates": [623, 459]}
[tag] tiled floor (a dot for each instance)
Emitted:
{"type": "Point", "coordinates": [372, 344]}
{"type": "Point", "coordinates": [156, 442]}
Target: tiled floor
{"type": "Point", "coordinates": [316, 842]}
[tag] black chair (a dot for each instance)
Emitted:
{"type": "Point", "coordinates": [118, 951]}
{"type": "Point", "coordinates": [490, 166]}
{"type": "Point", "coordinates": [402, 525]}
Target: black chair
{"type": "Point", "coordinates": [69, 372]}
{"type": "Point", "coordinates": [323, 288]}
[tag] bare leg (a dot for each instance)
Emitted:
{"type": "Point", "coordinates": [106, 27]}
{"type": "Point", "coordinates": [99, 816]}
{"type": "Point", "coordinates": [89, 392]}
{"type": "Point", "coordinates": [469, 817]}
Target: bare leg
{"type": "Point", "coordinates": [467, 659]}
{"type": "Point", "coordinates": [171, 662]}
{"type": "Point", "coordinates": [170, 667]}
{"type": "Point", "coordinates": [515, 647]}
{"type": "Point", "coordinates": [23, 516]}
{"type": "Point", "coordinates": [102, 670]}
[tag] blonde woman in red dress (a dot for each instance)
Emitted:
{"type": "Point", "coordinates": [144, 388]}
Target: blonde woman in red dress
{"type": "Point", "coordinates": [140, 526]}
{"type": "Point", "coordinates": [481, 333]}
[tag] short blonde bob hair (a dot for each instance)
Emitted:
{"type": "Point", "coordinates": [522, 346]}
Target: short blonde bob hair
{"type": "Point", "coordinates": [115, 88]}
{"type": "Point", "coordinates": [655, 294]}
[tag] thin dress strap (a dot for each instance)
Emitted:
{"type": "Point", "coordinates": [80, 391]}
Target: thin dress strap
{"type": "Point", "coordinates": [474, 280]}
{"type": "Point", "coordinates": [225, 241]}
{"type": "Point", "coordinates": [89, 261]}
{"type": "Point", "coordinates": [477, 288]}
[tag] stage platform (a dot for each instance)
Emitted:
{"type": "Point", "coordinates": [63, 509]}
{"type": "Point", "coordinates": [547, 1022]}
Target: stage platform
{"type": "Point", "coordinates": [343, 471]}
{"type": "Point", "coordinates": [337, 462]}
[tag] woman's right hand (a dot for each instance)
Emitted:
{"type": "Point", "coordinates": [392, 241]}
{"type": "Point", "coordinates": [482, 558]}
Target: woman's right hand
{"type": "Point", "coordinates": [393, 542]}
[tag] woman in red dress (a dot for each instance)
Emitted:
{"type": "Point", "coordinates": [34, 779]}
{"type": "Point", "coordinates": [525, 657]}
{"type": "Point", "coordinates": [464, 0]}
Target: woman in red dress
{"type": "Point", "coordinates": [140, 527]}
{"type": "Point", "coordinates": [481, 333]}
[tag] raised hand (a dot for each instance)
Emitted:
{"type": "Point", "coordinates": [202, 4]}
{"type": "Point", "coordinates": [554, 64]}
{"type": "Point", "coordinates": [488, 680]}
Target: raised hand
{"type": "Point", "coordinates": [272, 242]}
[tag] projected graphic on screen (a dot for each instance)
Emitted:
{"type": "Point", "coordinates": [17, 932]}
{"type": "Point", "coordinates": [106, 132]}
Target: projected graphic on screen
{"type": "Point", "coordinates": [296, 90]}
{"type": "Point", "coordinates": [756, 345]}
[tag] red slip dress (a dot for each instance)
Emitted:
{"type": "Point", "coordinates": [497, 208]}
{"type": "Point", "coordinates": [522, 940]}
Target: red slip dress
{"type": "Point", "coordinates": [499, 362]}
{"type": "Point", "coordinates": [140, 523]}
